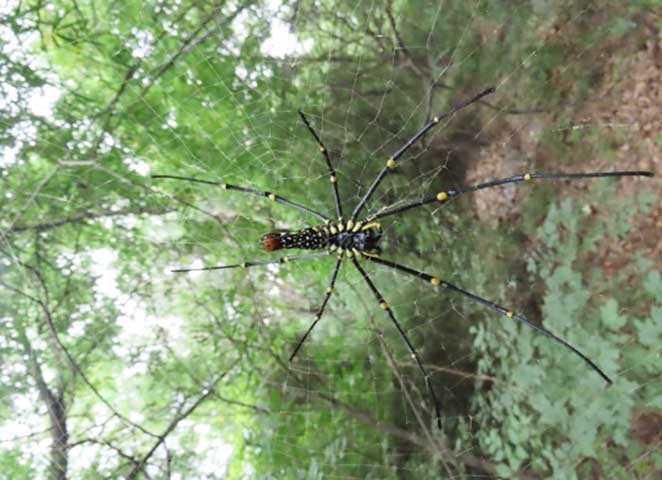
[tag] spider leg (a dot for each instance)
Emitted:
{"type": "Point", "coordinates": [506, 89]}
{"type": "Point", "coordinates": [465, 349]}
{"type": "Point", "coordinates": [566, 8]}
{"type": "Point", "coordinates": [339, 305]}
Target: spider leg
{"type": "Point", "coordinates": [271, 196]}
{"type": "Point", "coordinates": [332, 173]}
{"type": "Point", "coordinates": [318, 316]}
{"type": "Point", "coordinates": [410, 347]}
{"type": "Point", "coordinates": [390, 163]}
{"type": "Point", "coordinates": [435, 281]}
{"type": "Point", "coordinates": [255, 263]}
{"type": "Point", "coordinates": [443, 197]}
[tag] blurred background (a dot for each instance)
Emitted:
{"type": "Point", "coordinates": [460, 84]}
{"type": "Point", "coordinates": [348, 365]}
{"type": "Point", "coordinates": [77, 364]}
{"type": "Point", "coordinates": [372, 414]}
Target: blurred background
{"type": "Point", "coordinates": [115, 367]}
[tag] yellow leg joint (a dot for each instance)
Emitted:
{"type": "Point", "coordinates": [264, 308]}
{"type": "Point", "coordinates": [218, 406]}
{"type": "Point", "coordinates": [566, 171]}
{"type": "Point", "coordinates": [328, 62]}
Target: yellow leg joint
{"type": "Point", "coordinates": [370, 225]}
{"type": "Point", "coordinates": [329, 290]}
{"type": "Point", "coordinates": [435, 281]}
{"type": "Point", "coordinates": [442, 196]}
{"type": "Point", "coordinates": [333, 179]}
{"type": "Point", "coordinates": [272, 197]}
{"type": "Point", "coordinates": [527, 177]}
{"type": "Point", "coordinates": [509, 314]}
{"type": "Point", "coordinates": [383, 305]}
{"type": "Point", "coordinates": [390, 163]}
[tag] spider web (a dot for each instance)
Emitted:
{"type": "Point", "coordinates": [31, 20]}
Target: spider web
{"type": "Point", "coordinates": [186, 375]}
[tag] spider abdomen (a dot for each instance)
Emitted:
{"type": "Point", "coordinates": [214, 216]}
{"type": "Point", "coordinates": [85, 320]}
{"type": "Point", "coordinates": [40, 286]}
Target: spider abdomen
{"type": "Point", "coordinates": [332, 236]}
{"type": "Point", "coordinates": [312, 238]}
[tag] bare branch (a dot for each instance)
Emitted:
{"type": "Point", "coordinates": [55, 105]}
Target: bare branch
{"type": "Point", "coordinates": [88, 215]}
{"type": "Point", "coordinates": [72, 362]}
{"type": "Point", "coordinates": [441, 442]}
{"type": "Point", "coordinates": [138, 467]}
{"type": "Point", "coordinates": [193, 40]}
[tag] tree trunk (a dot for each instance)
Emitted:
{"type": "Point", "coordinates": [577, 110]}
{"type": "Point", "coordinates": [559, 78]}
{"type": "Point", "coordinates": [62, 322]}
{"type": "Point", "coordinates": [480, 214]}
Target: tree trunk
{"type": "Point", "coordinates": [59, 436]}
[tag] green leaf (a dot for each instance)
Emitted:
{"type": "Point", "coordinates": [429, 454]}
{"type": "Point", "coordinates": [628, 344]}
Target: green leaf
{"type": "Point", "coordinates": [653, 284]}
{"type": "Point", "coordinates": [650, 332]}
{"type": "Point", "coordinates": [610, 315]}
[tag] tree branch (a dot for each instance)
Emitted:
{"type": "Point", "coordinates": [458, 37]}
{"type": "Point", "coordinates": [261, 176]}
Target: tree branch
{"type": "Point", "coordinates": [72, 362]}
{"type": "Point", "coordinates": [57, 413]}
{"type": "Point", "coordinates": [88, 215]}
{"type": "Point", "coordinates": [138, 467]}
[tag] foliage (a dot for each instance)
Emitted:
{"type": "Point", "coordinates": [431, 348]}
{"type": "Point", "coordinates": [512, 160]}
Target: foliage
{"type": "Point", "coordinates": [538, 418]}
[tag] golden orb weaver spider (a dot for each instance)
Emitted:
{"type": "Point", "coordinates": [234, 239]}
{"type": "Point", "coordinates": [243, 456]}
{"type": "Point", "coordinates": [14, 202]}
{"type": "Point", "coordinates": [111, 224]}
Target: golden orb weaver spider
{"type": "Point", "coordinates": [358, 239]}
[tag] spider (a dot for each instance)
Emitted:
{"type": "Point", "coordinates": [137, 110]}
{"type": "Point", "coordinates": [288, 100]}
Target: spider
{"type": "Point", "coordinates": [356, 240]}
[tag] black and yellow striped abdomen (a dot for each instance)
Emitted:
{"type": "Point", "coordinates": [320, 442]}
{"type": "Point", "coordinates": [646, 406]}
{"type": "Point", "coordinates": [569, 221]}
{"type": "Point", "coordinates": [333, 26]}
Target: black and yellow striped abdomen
{"type": "Point", "coordinates": [339, 236]}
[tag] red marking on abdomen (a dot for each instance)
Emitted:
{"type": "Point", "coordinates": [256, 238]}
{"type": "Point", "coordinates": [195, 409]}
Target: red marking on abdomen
{"type": "Point", "coordinates": [271, 242]}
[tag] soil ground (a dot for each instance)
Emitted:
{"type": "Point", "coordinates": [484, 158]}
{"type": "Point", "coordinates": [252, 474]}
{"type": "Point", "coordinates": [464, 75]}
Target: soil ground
{"type": "Point", "coordinates": [626, 109]}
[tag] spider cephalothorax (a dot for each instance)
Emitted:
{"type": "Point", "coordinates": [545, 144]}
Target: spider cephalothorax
{"type": "Point", "coordinates": [342, 237]}
{"type": "Point", "coordinates": [358, 240]}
